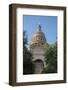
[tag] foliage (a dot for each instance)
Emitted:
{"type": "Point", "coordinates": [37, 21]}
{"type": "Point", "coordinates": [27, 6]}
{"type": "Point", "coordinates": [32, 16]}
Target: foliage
{"type": "Point", "coordinates": [51, 59]}
{"type": "Point", "coordinates": [27, 57]}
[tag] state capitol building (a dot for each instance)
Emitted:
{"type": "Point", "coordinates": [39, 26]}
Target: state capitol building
{"type": "Point", "coordinates": [37, 50]}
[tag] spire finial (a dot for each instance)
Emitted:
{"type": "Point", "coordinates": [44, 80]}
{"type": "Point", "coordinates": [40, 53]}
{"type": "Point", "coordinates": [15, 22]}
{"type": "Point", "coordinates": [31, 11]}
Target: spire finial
{"type": "Point", "coordinates": [39, 27]}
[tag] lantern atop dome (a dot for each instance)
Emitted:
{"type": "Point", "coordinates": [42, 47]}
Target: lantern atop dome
{"type": "Point", "coordinates": [39, 28]}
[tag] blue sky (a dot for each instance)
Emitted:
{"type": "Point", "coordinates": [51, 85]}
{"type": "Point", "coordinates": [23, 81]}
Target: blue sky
{"type": "Point", "coordinates": [48, 24]}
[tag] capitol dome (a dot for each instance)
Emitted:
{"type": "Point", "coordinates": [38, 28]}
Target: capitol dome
{"type": "Point", "coordinates": [38, 38]}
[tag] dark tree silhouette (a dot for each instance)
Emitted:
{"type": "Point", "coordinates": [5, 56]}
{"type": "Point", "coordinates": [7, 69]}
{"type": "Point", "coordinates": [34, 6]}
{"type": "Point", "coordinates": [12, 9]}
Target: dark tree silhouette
{"type": "Point", "coordinates": [27, 57]}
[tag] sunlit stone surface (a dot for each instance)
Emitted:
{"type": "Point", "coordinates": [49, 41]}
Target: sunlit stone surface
{"type": "Point", "coordinates": [36, 47]}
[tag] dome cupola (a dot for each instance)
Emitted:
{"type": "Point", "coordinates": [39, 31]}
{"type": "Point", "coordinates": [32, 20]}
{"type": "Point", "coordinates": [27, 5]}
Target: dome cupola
{"type": "Point", "coordinates": [38, 38]}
